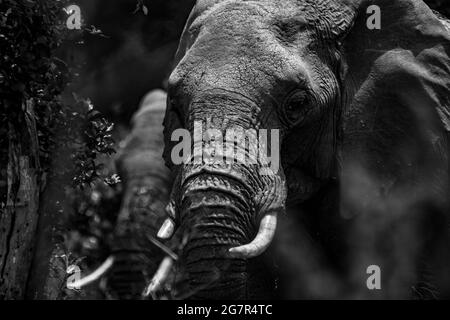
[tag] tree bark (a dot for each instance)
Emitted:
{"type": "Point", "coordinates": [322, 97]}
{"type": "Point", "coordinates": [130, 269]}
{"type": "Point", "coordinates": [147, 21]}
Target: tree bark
{"type": "Point", "coordinates": [18, 220]}
{"type": "Point", "coordinates": [48, 277]}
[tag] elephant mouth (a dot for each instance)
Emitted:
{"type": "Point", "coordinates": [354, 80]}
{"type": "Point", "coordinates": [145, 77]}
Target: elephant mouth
{"type": "Point", "coordinates": [301, 185]}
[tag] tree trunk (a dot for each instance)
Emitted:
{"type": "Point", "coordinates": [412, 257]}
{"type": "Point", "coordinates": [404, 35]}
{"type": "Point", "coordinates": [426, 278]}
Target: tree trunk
{"type": "Point", "coordinates": [18, 220]}
{"type": "Point", "coordinates": [48, 277]}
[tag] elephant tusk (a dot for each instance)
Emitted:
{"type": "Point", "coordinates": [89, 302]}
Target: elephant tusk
{"type": "Point", "coordinates": [261, 242]}
{"type": "Point", "coordinates": [159, 278]}
{"type": "Point", "coordinates": [167, 229]}
{"type": "Point", "coordinates": [100, 271]}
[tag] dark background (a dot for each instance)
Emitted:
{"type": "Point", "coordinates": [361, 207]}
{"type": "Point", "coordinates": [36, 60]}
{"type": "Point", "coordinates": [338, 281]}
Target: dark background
{"type": "Point", "coordinates": [136, 51]}
{"type": "Point", "coordinates": [132, 57]}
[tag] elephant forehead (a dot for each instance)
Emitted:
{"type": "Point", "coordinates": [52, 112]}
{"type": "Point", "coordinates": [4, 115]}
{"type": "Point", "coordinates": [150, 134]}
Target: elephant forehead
{"type": "Point", "coordinates": [243, 56]}
{"type": "Point", "coordinates": [251, 17]}
{"type": "Point", "coordinates": [329, 17]}
{"type": "Point", "coordinates": [271, 37]}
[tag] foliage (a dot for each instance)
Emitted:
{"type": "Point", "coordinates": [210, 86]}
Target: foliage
{"type": "Point", "coordinates": [74, 139]}
{"type": "Point", "coordinates": [91, 225]}
{"type": "Point", "coordinates": [84, 134]}
{"type": "Point", "coordinates": [31, 32]}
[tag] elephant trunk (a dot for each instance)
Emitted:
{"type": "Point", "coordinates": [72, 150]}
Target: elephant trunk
{"type": "Point", "coordinates": [226, 197]}
{"type": "Point", "coordinates": [216, 214]}
{"type": "Point", "coordinates": [129, 274]}
{"type": "Point", "coordinates": [136, 258]}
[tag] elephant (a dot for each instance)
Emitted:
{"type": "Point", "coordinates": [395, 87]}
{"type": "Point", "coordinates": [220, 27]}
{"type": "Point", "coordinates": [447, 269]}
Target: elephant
{"type": "Point", "coordinates": [135, 252]}
{"type": "Point", "coordinates": [147, 184]}
{"type": "Point", "coordinates": [363, 116]}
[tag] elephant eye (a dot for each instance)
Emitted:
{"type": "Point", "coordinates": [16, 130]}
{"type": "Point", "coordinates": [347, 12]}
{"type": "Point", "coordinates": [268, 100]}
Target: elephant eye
{"type": "Point", "coordinates": [296, 107]}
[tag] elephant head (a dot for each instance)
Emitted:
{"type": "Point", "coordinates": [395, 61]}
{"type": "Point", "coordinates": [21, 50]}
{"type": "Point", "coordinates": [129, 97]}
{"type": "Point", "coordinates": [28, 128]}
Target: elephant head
{"type": "Point", "coordinates": [341, 96]}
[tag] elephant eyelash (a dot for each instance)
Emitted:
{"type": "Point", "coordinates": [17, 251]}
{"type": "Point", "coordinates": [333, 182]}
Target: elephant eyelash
{"type": "Point", "coordinates": [296, 106]}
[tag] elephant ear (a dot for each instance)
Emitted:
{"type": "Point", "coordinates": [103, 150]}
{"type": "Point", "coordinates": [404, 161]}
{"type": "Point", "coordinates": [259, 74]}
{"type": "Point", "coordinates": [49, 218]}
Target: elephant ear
{"type": "Point", "coordinates": [396, 116]}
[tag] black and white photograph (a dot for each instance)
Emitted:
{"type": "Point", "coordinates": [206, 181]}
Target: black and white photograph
{"type": "Point", "coordinates": [224, 150]}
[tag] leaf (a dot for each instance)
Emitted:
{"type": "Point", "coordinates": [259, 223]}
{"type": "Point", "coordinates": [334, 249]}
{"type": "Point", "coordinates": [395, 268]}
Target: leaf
{"type": "Point", "coordinates": [144, 9]}
{"type": "Point", "coordinates": [94, 115]}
